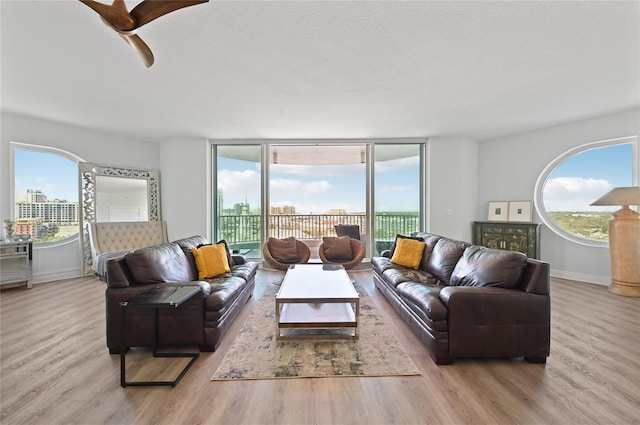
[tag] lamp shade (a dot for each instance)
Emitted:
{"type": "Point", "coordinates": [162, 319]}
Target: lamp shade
{"type": "Point", "coordinates": [620, 196]}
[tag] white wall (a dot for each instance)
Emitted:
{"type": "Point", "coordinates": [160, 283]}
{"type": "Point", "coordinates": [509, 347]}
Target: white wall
{"type": "Point", "coordinates": [186, 187]}
{"type": "Point", "coordinates": [64, 261]}
{"type": "Point", "coordinates": [510, 166]}
{"type": "Point", "coordinates": [135, 204]}
{"type": "Point", "coordinates": [452, 180]}
{"type": "Point", "coordinates": [463, 176]}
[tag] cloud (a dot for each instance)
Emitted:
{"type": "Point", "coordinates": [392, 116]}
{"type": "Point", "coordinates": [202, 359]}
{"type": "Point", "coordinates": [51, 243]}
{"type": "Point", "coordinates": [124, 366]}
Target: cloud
{"type": "Point", "coordinates": [236, 185]}
{"type": "Point", "coordinates": [287, 187]}
{"type": "Point", "coordinates": [575, 194]}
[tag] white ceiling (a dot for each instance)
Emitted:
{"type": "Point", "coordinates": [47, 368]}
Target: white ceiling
{"type": "Point", "coordinates": [324, 69]}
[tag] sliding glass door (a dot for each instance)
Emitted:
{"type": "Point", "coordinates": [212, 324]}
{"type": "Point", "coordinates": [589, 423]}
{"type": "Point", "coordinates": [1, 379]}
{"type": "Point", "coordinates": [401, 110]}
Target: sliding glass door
{"type": "Point", "coordinates": [312, 188]}
{"type": "Point", "coordinates": [305, 190]}
{"type": "Point", "coordinates": [398, 192]}
{"type": "Point", "coordinates": [238, 197]}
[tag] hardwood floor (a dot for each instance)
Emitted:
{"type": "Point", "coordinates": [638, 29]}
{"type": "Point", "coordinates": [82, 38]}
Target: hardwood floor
{"type": "Point", "coordinates": [55, 369]}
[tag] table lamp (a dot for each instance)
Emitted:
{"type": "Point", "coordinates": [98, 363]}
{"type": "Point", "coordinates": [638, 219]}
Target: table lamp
{"type": "Point", "coordinates": [624, 240]}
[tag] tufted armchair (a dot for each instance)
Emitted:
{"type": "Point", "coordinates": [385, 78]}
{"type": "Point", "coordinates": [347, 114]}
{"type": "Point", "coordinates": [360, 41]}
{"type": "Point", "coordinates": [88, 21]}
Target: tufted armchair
{"type": "Point", "coordinates": [114, 239]}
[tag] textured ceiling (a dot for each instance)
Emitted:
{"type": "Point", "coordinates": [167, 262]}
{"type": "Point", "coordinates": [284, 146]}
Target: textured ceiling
{"type": "Point", "coordinates": [324, 69]}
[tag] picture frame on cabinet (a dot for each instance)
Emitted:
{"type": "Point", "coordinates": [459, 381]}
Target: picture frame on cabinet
{"type": "Point", "coordinates": [520, 211]}
{"type": "Point", "coordinates": [498, 211]}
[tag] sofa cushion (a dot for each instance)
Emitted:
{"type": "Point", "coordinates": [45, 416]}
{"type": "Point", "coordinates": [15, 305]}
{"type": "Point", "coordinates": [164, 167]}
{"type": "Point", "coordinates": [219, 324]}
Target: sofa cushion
{"type": "Point", "coordinates": [430, 241]}
{"type": "Point", "coordinates": [381, 264]}
{"type": "Point", "coordinates": [247, 271]}
{"type": "Point", "coordinates": [399, 274]}
{"type": "Point", "coordinates": [408, 252]}
{"type": "Point", "coordinates": [211, 260]}
{"type": "Point", "coordinates": [426, 297]}
{"type": "Point", "coordinates": [224, 291]}
{"type": "Point", "coordinates": [337, 248]}
{"type": "Point", "coordinates": [444, 257]}
{"type": "Point", "coordinates": [480, 266]}
{"type": "Point", "coordinates": [350, 230]}
{"type": "Point", "coordinates": [159, 263]}
{"type": "Point", "coordinates": [187, 244]}
{"type": "Point", "coordinates": [283, 250]}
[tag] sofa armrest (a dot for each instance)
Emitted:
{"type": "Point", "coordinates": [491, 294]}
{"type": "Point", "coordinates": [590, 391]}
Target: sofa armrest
{"type": "Point", "coordinates": [472, 306]}
{"type": "Point", "coordinates": [239, 259]}
{"type": "Point", "coordinates": [497, 322]}
{"type": "Point", "coordinates": [536, 277]}
{"type": "Point", "coordinates": [118, 274]}
{"type": "Point", "coordinates": [386, 253]}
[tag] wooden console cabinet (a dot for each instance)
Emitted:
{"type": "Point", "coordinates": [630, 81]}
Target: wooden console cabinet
{"type": "Point", "coordinates": [15, 262]}
{"type": "Point", "coordinates": [522, 237]}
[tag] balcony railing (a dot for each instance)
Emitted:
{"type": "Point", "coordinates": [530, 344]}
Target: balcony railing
{"type": "Point", "coordinates": [243, 231]}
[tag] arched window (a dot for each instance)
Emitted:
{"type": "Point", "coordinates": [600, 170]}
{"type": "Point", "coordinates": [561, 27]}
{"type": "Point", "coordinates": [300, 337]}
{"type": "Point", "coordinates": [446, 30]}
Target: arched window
{"type": "Point", "coordinates": [570, 183]}
{"type": "Point", "coordinates": [45, 194]}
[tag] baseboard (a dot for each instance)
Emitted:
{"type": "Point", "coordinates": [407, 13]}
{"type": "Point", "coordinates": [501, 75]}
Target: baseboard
{"type": "Point", "coordinates": [589, 278]}
{"type": "Point", "coordinates": [56, 275]}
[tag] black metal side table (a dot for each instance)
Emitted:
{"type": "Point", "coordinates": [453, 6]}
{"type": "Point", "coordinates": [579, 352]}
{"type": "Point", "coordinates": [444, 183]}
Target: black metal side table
{"type": "Point", "coordinates": [156, 298]}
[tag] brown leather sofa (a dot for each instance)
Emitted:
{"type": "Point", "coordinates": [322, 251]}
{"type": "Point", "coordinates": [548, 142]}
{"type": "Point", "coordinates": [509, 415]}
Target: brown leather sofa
{"type": "Point", "coordinates": [466, 301]}
{"type": "Point", "coordinates": [202, 320]}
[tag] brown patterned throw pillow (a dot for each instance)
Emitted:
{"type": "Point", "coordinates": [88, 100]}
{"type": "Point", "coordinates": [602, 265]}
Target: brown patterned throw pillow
{"type": "Point", "coordinates": [284, 250]}
{"type": "Point", "coordinates": [337, 248]}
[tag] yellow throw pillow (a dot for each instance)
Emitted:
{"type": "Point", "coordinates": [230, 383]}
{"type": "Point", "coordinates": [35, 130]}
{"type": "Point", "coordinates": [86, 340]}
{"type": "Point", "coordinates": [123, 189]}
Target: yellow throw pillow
{"type": "Point", "coordinates": [408, 253]}
{"type": "Point", "coordinates": [211, 260]}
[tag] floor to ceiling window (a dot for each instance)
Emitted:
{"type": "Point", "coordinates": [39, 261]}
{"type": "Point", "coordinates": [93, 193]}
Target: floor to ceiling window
{"type": "Point", "coordinates": [312, 188]}
{"type": "Point", "coordinates": [398, 192]}
{"type": "Point", "coordinates": [238, 197]}
{"type": "Point", "coordinates": [304, 190]}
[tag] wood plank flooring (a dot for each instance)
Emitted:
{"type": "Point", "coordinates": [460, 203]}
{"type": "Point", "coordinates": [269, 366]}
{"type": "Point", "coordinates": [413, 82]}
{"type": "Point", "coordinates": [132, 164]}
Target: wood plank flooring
{"type": "Point", "coordinates": [55, 369]}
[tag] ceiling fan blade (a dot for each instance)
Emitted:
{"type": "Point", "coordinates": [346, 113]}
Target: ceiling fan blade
{"type": "Point", "coordinates": [114, 15]}
{"type": "Point", "coordinates": [149, 10]}
{"type": "Point", "coordinates": [140, 46]}
{"type": "Point", "coordinates": [120, 4]}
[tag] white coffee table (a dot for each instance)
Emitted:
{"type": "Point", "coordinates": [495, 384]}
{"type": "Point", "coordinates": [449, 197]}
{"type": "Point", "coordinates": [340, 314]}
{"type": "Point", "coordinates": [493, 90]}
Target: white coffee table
{"type": "Point", "coordinates": [317, 296]}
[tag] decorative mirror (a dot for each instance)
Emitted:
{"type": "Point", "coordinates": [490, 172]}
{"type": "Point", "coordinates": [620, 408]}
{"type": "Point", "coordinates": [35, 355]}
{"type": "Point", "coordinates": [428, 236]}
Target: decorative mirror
{"type": "Point", "coordinates": [112, 193]}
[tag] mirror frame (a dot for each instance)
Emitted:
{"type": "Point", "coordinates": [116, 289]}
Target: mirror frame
{"type": "Point", "coordinates": [88, 172]}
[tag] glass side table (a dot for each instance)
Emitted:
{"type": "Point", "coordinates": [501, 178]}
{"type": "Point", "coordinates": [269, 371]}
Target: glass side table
{"type": "Point", "coordinates": [156, 298]}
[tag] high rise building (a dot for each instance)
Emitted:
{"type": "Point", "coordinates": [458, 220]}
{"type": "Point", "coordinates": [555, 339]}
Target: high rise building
{"type": "Point", "coordinates": [35, 196]}
{"type": "Point", "coordinates": [286, 209]}
{"type": "Point", "coordinates": [37, 206]}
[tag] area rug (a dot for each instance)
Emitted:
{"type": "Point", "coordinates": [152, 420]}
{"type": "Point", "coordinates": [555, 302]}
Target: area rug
{"type": "Point", "coordinates": [256, 354]}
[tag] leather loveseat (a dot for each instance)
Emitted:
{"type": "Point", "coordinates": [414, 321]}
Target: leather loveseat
{"type": "Point", "coordinates": [467, 301]}
{"type": "Point", "coordinates": [202, 320]}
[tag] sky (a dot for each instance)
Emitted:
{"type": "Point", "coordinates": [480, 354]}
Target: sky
{"type": "Point", "coordinates": [55, 175]}
{"type": "Point", "coordinates": [585, 177]}
{"type": "Point", "coordinates": [319, 188]}
{"type": "Point", "coordinates": [572, 186]}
